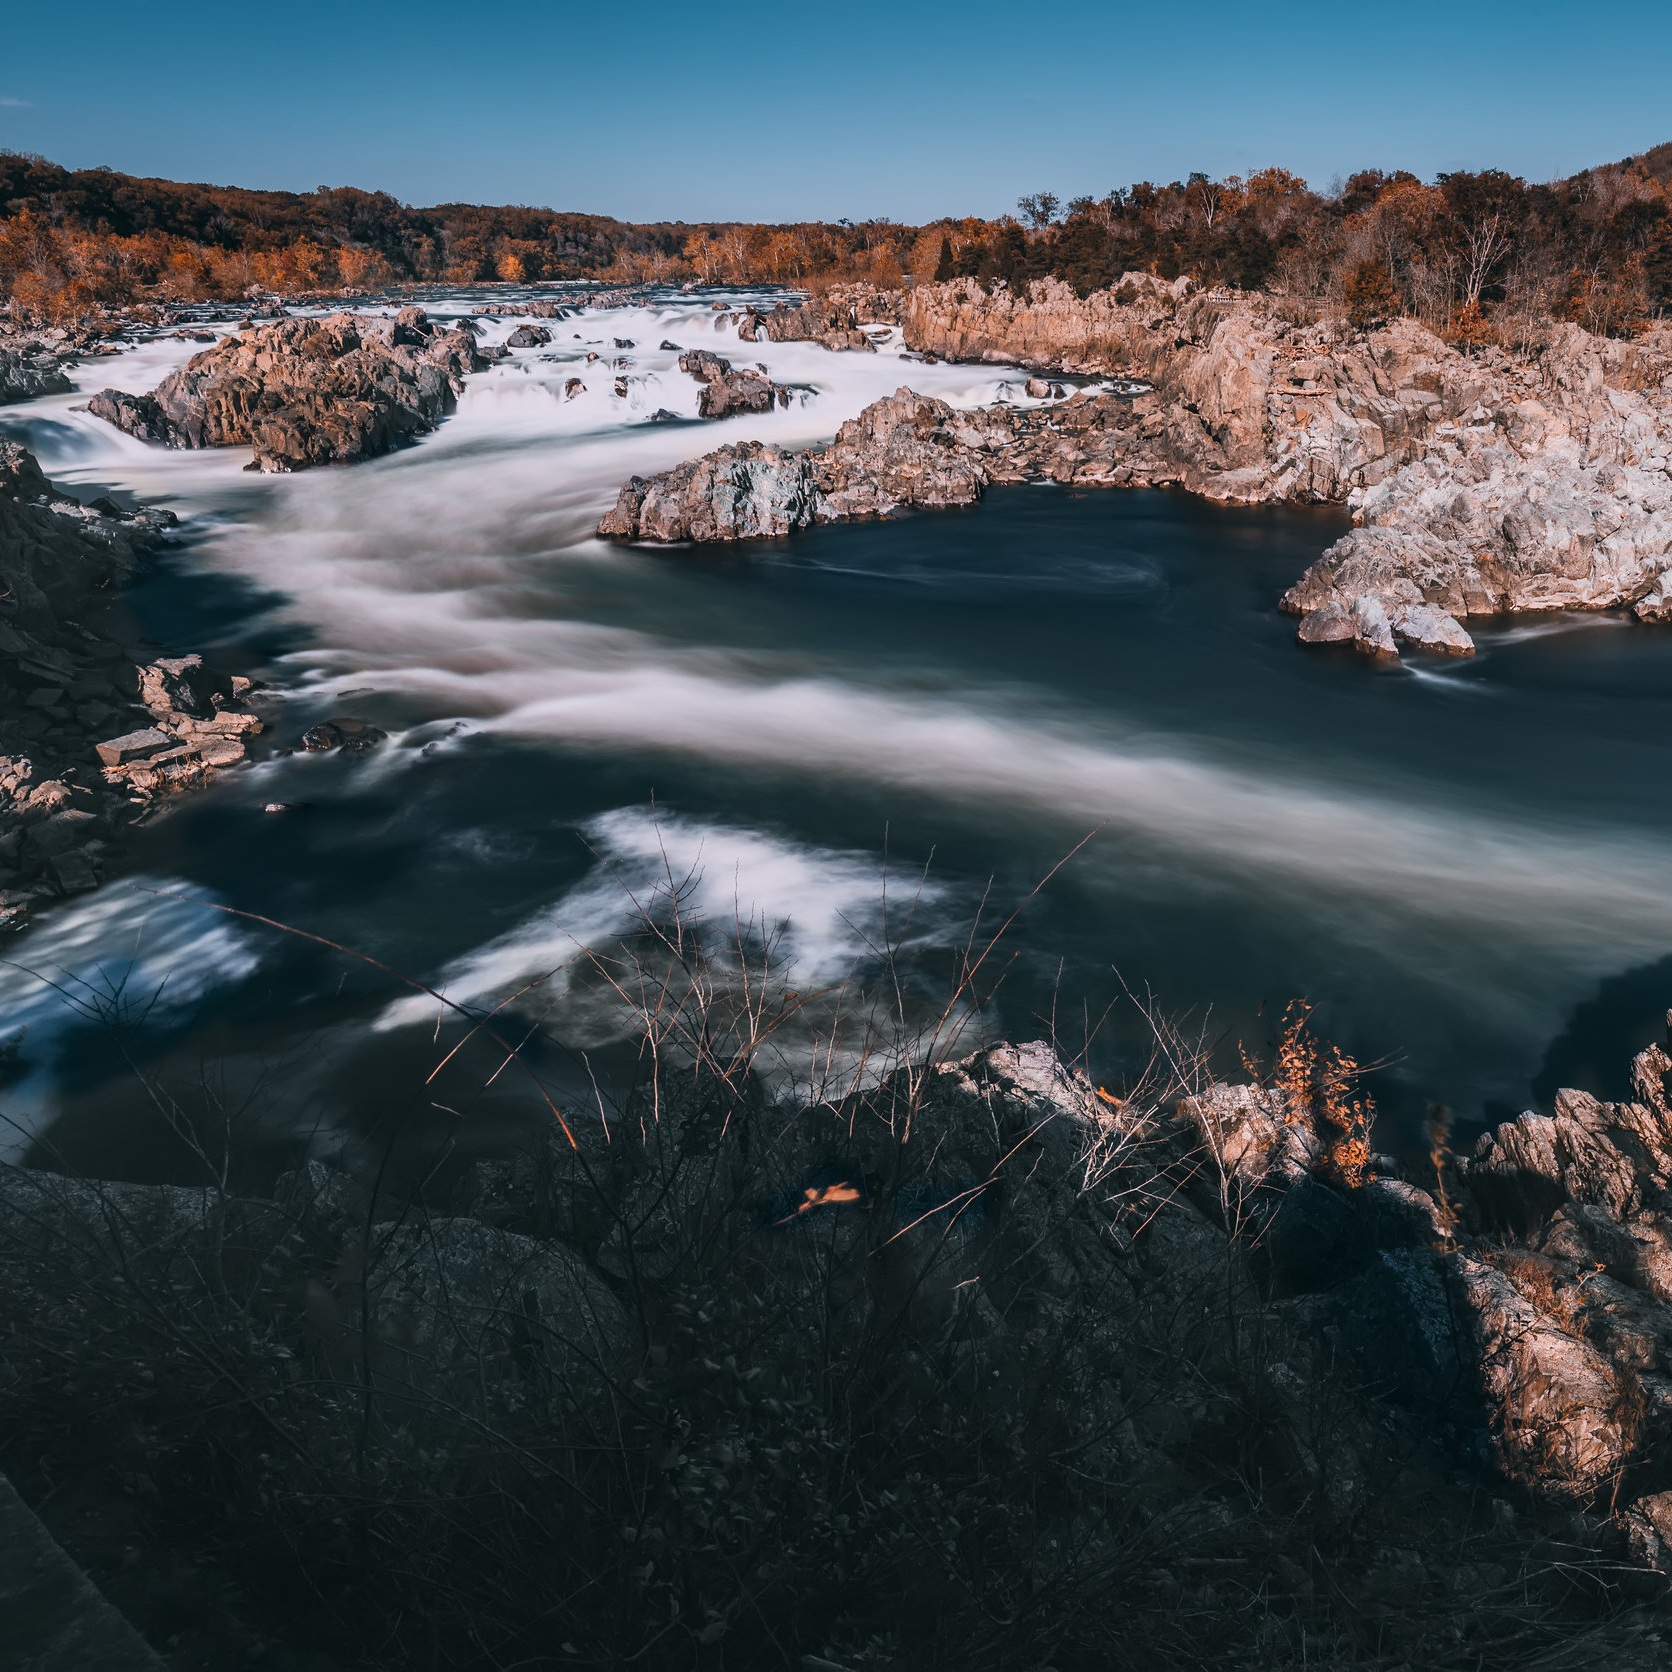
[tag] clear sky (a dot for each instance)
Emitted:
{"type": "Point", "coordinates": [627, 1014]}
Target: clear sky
{"type": "Point", "coordinates": [651, 110]}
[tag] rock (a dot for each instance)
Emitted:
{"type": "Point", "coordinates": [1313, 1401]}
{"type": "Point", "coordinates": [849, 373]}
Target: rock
{"type": "Point", "coordinates": [900, 452]}
{"type": "Point", "coordinates": [572, 388]}
{"type": "Point", "coordinates": [1656, 604]}
{"type": "Point", "coordinates": [529, 336]}
{"type": "Point", "coordinates": [352, 737]}
{"type": "Point", "coordinates": [28, 368]}
{"type": "Point", "coordinates": [1429, 628]}
{"type": "Point", "coordinates": [724, 390]}
{"type": "Point", "coordinates": [1372, 631]}
{"type": "Point", "coordinates": [1330, 623]}
{"type": "Point", "coordinates": [305, 392]}
{"type": "Point", "coordinates": [747, 491]}
{"type": "Point", "coordinates": [833, 319]}
{"type": "Point", "coordinates": [454, 1297]}
{"type": "Point", "coordinates": [669, 346]}
{"type": "Point", "coordinates": [625, 342]}
{"type": "Point", "coordinates": [1037, 389]}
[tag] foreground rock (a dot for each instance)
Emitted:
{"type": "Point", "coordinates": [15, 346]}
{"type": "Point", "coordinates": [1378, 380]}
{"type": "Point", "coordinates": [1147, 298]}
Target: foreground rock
{"type": "Point", "coordinates": [1173, 1342]}
{"type": "Point", "coordinates": [29, 368]}
{"type": "Point", "coordinates": [726, 390]}
{"type": "Point", "coordinates": [88, 735]}
{"type": "Point", "coordinates": [306, 392]}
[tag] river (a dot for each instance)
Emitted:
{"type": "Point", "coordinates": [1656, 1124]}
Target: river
{"type": "Point", "coordinates": [854, 745]}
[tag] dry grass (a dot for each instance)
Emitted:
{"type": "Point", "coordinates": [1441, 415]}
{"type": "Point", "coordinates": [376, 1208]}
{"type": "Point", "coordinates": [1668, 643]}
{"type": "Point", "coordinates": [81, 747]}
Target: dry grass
{"type": "Point", "coordinates": [742, 1382]}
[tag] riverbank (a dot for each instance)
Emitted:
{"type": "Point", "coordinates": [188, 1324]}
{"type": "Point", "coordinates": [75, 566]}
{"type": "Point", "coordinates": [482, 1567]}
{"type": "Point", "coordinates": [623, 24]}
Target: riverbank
{"type": "Point", "coordinates": [1180, 1371]}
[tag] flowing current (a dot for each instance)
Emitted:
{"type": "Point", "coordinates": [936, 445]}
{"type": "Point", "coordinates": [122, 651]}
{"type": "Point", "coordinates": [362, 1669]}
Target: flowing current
{"type": "Point", "coordinates": [862, 739]}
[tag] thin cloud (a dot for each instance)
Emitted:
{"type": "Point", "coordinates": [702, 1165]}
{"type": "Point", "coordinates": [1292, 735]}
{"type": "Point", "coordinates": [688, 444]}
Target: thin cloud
{"type": "Point", "coordinates": [17, 104]}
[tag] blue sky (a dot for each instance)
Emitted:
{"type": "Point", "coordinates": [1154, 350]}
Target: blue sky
{"type": "Point", "coordinates": [649, 110]}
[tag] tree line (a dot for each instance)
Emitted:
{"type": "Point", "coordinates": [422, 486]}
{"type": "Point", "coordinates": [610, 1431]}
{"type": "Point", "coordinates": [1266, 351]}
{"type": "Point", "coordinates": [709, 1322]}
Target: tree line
{"type": "Point", "coordinates": [1475, 255]}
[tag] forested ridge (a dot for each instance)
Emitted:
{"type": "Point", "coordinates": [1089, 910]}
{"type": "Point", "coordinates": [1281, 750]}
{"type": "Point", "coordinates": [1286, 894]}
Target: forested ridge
{"type": "Point", "coordinates": [1473, 254]}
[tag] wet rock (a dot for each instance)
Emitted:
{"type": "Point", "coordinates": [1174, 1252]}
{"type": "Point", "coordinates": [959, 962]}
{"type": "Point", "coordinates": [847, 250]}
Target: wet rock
{"type": "Point", "coordinates": [306, 392]}
{"type": "Point", "coordinates": [669, 346]}
{"type": "Point", "coordinates": [1429, 628]}
{"type": "Point", "coordinates": [351, 736]}
{"type": "Point", "coordinates": [30, 367]}
{"type": "Point", "coordinates": [529, 336]}
{"type": "Point", "coordinates": [573, 387]}
{"type": "Point", "coordinates": [725, 390]}
{"type": "Point", "coordinates": [901, 452]}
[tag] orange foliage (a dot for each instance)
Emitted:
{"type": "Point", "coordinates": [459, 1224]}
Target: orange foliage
{"type": "Point", "coordinates": [1315, 1081]}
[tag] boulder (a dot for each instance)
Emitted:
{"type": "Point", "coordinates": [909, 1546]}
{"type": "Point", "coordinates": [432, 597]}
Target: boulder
{"type": "Point", "coordinates": [900, 452]}
{"type": "Point", "coordinates": [1330, 623]}
{"type": "Point", "coordinates": [1429, 628]}
{"type": "Point", "coordinates": [529, 336]}
{"type": "Point", "coordinates": [726, 390]}
{"type": "Point", "coordinates": [306, 392]}
{"type": "Point", "coordinates": [350, 736]}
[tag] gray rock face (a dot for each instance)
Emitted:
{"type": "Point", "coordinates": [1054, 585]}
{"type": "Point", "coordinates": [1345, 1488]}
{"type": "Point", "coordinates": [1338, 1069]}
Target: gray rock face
{"type": "Point", "coordinates": [743, 492]}
{"type": "Point", "coordinates": [305, 392]}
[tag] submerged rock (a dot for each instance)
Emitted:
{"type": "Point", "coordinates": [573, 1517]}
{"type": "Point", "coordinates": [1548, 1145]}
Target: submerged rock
{"type": "Point", "coordinates": [351, 736]}
{"type": "Point", "coordinates": [306, 392]}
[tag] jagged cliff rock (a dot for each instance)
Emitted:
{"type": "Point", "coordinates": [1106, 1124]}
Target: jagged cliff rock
{"type": "Point", "coordinates": [65, 688]}
{"type": "Point", "coordinates": [305, 392]}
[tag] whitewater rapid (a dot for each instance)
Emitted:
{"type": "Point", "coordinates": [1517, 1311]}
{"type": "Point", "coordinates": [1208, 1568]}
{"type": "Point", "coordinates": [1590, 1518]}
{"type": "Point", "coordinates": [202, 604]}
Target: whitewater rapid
{"type": "Point", "coordinates": [459, 579]}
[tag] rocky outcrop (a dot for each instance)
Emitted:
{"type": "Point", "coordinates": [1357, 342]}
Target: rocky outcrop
{"type": "Point", "coordinates": [1481, 484]}
{"type": "Point", "coordinates": [28, 370]}
{"type": "Point", "coordinates": [901, 452]}
{"type": "Point", "coordinates": [1551, 492]}
{"type": "Point", "coordinates": [306, 392]}
{"type": "Point", "coordinates": [89, 735]}
{"type": "Point", "coordinates": [726, 390]}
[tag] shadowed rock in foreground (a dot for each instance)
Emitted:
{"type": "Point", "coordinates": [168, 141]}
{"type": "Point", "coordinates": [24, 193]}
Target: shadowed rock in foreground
{"type": "Point", "coordinates": [306, 392]}
{"type": "Point", "coordinates": [1120, 1339]}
